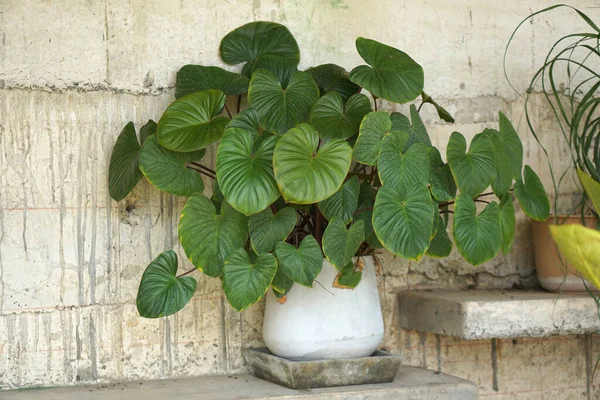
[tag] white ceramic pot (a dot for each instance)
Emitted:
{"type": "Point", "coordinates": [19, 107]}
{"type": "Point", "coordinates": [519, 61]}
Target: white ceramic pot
{"type": "Point", "coordinates": [325, 323]}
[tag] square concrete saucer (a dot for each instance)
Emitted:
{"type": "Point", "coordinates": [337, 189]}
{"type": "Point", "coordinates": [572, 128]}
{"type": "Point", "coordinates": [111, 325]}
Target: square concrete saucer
{"type": "Point", "coordinates": [380, 367]}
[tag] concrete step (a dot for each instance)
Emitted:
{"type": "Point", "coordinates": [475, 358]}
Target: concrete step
{"type": "Point", "coordinates": [411, 383]}
{"type": "Point", "coordinates": [483, 314]}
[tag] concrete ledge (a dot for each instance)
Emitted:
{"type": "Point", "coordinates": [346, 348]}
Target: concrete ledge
{"type": "Point", "coordinates": [479, 314]}
{"type": "Point", "coordinates": [411, 383]}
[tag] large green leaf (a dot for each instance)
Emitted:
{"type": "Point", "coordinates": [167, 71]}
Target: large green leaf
{"type": "Point", "coordinates": [591, 187]}
{"type": "Point", "coordinates": [508, 136]}
{"type": "Point", "coordinates": [374, 126]}
{"type": "Point", "coordinates": [343, 203]}
{"type": "Point", "coordinates": [340, 244]}
{"type": "Point", "coordinates": [441, 180]}
{"type": "Point", "coordinates": [335, 120]}
{"type": "Point", "coordinates": [196, 78]}
{"type": "Point", "coordinates": [507, 222]}
{"type": "Point", "coordinates": [124, 168]}
{"type": "Point", "coordinates": [246, 120]}
{"type": "Point", "coordinates": [331, 77]}
{"type": "Point", "coordinates": [251, 41]}
{"type": "Point", "coordinates": [267, 229]}
{"type": "Point", "coordinates": [398, 167]}
{"type": "Point", "coordinates": [532, 196]}
{"type": "Point", "coordinates": [166, 171]}
{"type": "Point", "coordinates": [192, 122]}
{"type": "Point", "coordinates": [581, 247]}
{"type": "Point", "coordinates": [416, 129]}
{"type": "Point", "coordinates": [246, 282]}
{"type": "Point", "coordinates": [504, 171]}
{"type": "Point", "coordinates": [280, 109]}
{"type": "Point", "coordinates": [209, 238]}
{"type": "Point", "coordinates": [281, 283]}
{"type": "Point", "coordinates": [392, 74]}
{"type": "Point", "coordinates": [245, 170]}
{"type": "Point", "coordinates": [348, 277]}
{"type": "Point", "coordinates": [161, 293]}
{"type": "Point", "coordinates": [478, 237]}
{"type": "Point", "coordinates": [403, 219]}
{"type": "Point", "coordinates": [302, 264]}
{"type": "Point", "coordinates": [303, 173]}
{"type": "Point", "coordinates": [282, 68]}
{"type": "Point", "coordinates": [441, 245]}
{"type": "Point", "coordinates": [473, 170]}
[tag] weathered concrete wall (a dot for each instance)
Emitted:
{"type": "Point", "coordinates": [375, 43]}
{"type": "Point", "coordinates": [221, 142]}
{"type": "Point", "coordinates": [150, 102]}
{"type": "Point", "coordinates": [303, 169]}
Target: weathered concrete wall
{"type": "Point", "coordinates": [72, 73]}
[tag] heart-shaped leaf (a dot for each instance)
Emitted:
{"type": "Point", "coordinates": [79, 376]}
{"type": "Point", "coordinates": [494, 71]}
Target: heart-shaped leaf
{"type": "Point", "coordinates": [331, 77]}
{"type": "Point", "coordinates": [373, 128]}
{"type": "Point", "coordinates": [581, 247]}
{"type": "Point", "coordinates": [473, 170]}
{"type": "Point", "coordinates": [340, 244]}
{"type": "Point", "coordinates": [510, 139]}
{"type": "Point", "coordinates": [403, 219]}
{"type": "Point", "coordinates": [282, 68]}
{"type": "Point", "coordinates": [302, 264]}
{"type": "Point", "coordinates": [251, 41]}
{"type": "Point", "coordinates": [334, 120]}
{"type": "Point", "coordinates": [267, 229]}
{"type": "Point", "coordinates": [192, 122]}
{"type": "Point", "coordinates": [245, 170]}
{"type": "Point", "coordinates": [441, 111]}
{"type": "Point", "coordinates": [280, 109]}
{"type": "Point", "coordinates": [415, 129]}
{"type": "Point", "coordinates": [478, 237]}
{"type": "Point", "coordinates": [281, 283]}
{"type": "Point", "coordinates": [148, 129]}
{"type": "Point", "coordinates": [246, 120]}
{"type": "Point", "coordinates": [441, 245]}
{"type": "Point", "coordinates": [532, 196]}
{"type": "Point", "coordinates": [392, 74]}
{"type": "Point", "coordinates": [246, 282]}
{"type": "Point", "coordinates": [399, 167]}
{"type": "Point", "coordinates": [124, 168]}
{"type": "Point", "coordinates": [166, 171]}
{"type": "Point", "coordinates": [209, 238]}
{"type": "Point", "coordinates": [503, 179]}
{"type": "Point", "coordinates": [348, 277]}
{"type": "Point", "coordinates": [304, 174]}
{"type": "Point", "coordinates": [196, 78]}
{"type": "Point", "coordinates": [441, 180]}
{"type": "Point", "coordinates": [161, 293]}
{"type": "Point", "coordinates": [507, 222]}
{"type": "Point", "coordinates": [343, 203]}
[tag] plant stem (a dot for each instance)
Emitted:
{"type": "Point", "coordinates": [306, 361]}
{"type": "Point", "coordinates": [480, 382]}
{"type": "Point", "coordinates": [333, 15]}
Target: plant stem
{"type": "Point", "coordinates": [420, 105]}
{"type": "Point", "coordinates": [446, 212]}
{"type": "Point", "coordinates": [360, 210]}
{"type": "Point", "coordinates": [186, 273]}
{"type": "Point", "coordinates": [201, 172]}
{"type": "Point", "coordinates": [318, 218]}
{"type": "Point", "coordinates": [227, 109]}
{"type": "Point", "coordinates": [212, 171]}
{"type": "Point", "coordinates": [239, 104]}
{"type": "Point", "coordinates": [374, 101]}
{"type": "Point", "coordinates": [481, 201]}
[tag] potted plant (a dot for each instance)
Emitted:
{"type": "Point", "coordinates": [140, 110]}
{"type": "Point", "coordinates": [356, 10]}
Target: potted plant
{"type": "Point", "coordinates": [569, 81]}
{"type": "Point", "coordinates": [309, 181]}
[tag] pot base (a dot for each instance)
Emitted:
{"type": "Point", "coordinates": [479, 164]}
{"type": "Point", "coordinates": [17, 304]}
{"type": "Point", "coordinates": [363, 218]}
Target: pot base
{"type": "Point", "coordinates": [380, 367]}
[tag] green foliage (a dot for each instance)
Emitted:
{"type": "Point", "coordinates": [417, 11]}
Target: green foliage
{"type": "Point", "coordinates": [285, 190]}
{"type": "Point", "coordinates": [161, 293]}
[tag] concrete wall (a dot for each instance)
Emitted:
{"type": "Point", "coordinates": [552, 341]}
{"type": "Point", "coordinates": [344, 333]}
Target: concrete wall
{"type": "Point", "coordinates": [72, 73]}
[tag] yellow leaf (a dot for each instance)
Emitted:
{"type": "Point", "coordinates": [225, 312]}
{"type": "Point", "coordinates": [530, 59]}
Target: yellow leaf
{"type": "Point", "coordinates": [591, 187]}
{"type": "Point", "coordinates": [581, 247]}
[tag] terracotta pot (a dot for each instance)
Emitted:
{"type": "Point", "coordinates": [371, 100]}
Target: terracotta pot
{"type": "Point", "coordinates": [551, 271]}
